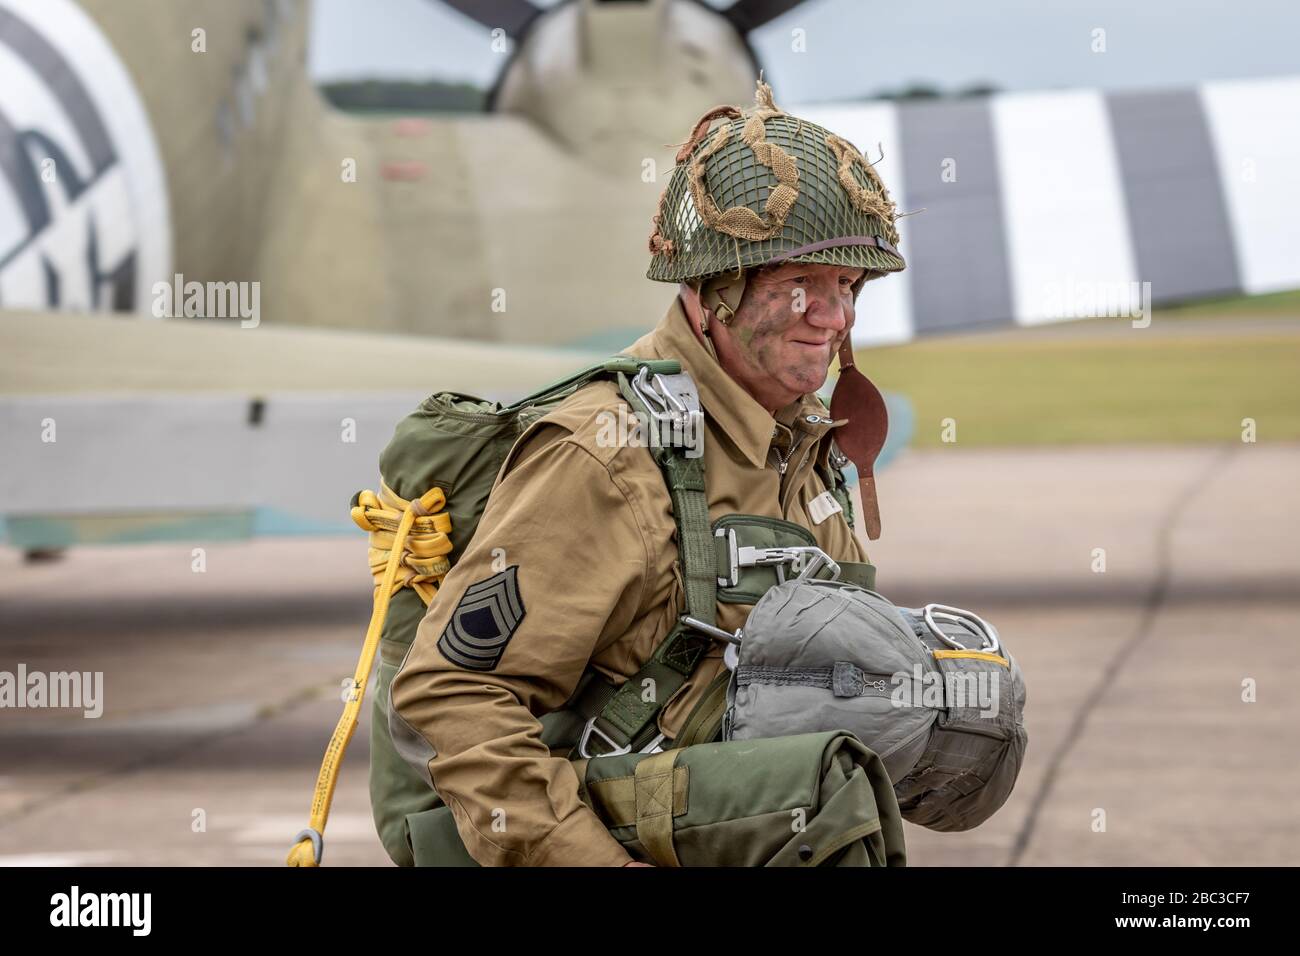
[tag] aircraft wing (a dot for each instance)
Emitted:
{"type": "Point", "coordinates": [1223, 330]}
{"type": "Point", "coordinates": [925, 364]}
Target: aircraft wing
{"type": "Point", "coordinates": [122, 430]}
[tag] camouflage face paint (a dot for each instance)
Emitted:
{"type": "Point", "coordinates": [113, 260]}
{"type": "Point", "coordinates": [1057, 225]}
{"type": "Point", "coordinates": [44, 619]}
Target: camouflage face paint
{"type": "Point", "coordinates": [777, 342]}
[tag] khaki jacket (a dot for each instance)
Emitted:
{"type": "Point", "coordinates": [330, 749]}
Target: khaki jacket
{"type": "Point", "coordinates": [589, 533]}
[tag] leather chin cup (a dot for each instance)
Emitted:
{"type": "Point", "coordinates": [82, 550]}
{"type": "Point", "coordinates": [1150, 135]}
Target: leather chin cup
{"type": "Point", "coordinates": [858, 400]}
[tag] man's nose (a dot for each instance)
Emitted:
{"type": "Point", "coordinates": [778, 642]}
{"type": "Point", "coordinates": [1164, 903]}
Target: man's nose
{"type": "Point", "coordinates": [827, 310]}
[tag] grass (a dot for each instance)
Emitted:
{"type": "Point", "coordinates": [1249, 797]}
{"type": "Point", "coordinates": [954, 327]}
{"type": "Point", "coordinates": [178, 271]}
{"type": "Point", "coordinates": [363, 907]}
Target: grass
{"type": "Point", "coordinates": [1189, 388]}
{"type": "Point", "coordinates": [1272, 305]}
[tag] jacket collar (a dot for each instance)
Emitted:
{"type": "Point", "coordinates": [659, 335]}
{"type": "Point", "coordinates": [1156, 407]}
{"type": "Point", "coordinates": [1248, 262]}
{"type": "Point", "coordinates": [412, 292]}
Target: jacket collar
{"type": "Point", "coordinates": [747, 423]}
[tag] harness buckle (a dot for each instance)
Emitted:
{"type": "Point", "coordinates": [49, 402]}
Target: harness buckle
{"type": "Point", "coordinates": [732, 577]}
{"type": "Point", "coordinates": [674, 405]}
{"type": "Point", "coordinates": [806, 561]}
{"type": "Point", "coordinates": [615, 750]}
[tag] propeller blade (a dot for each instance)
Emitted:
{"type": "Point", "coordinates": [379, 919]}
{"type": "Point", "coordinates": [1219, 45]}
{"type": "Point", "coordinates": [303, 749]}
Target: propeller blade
{"type": "Point", "coordinates": [746, 15]}
{"type": "Point", "coordinates": [510, 15]}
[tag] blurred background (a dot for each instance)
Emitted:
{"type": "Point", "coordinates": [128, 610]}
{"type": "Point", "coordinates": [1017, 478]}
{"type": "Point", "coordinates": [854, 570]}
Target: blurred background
{"type": "Point", "coordinates": [239, 240]}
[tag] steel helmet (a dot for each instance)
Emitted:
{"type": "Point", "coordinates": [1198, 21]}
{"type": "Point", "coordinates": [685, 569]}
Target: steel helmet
{"type": "Point", "coordinates": [766, 187]}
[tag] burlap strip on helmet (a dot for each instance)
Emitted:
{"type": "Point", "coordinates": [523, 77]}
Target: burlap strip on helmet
{"type": "Point", "coordinates": [741, 222]}
{"type": "Point", "coordinates": [658, 244]}
{"type": "Point", "coordinates": [702, 127]}
{"type": "Point", "coordinates": [874, 203]}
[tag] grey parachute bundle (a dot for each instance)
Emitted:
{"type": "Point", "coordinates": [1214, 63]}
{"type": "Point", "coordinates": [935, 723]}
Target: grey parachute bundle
{"type": "Point", "coordinates": [930, 690]}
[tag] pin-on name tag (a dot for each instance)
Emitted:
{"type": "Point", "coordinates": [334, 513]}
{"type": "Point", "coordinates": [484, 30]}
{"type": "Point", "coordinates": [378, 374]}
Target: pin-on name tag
{"type": "Point", "coordinates": [822, 507]}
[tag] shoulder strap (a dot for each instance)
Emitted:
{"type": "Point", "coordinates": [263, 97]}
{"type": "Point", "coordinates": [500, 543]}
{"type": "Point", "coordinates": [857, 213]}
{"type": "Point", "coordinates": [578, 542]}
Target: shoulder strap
{"type": "Point", "coordinates": [682, 463]}
{"type": "Point", "coordinates": [610, 368]}
{"type": "Point", "coordinates": [620, 365]}
{"type": "Point", "coordinates": [624, 719]}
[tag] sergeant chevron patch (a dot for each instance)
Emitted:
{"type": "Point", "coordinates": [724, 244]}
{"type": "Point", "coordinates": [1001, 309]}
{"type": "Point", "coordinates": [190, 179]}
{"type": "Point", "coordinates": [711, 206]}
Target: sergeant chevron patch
{"type": "Point", "coordinates": [483, 622]}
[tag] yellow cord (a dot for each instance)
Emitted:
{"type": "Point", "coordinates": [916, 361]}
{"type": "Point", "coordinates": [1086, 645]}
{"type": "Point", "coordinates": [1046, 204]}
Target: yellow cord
{"type": "Point", "coordinates": [403, 534]}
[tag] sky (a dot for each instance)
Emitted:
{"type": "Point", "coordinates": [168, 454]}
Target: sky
{"type": "Point", "coordinates": [858, 47]}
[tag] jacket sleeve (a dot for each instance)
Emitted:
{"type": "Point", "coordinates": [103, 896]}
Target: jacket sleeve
{"type": "Point", "coordinates": [556, 570]}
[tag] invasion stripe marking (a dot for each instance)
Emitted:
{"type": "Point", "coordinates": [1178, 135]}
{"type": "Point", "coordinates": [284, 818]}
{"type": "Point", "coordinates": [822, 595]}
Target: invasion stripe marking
{"type": "Point", "coordinates": [957, 247]}
{"type": "Point", "coordinates": [1178, 218]}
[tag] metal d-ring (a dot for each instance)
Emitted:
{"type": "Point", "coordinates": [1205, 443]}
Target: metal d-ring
{"type": "Point", "coordinates": [955, 615]}
{"type": "Point", "coordinates": [317, 842]}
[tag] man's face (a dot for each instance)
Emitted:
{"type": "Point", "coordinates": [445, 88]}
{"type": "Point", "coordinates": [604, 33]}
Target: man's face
{"type": "Point", "coordinates": [790, 323]}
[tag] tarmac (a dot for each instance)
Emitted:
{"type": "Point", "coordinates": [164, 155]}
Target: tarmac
{"type": "Point", "coordinates": [221, 687]}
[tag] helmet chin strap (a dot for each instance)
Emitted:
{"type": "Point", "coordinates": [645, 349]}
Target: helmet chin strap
{"type": "Point", "coordinates": [708, 338]}
{"type": "Point", "coordinates": [855, 398]}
